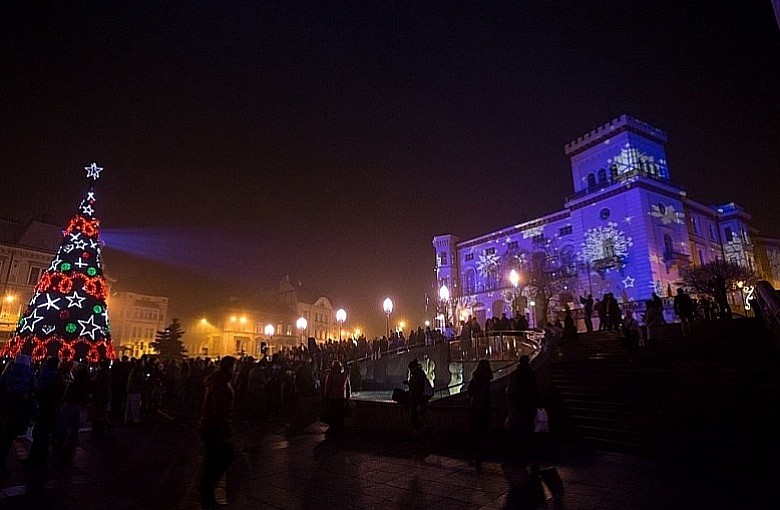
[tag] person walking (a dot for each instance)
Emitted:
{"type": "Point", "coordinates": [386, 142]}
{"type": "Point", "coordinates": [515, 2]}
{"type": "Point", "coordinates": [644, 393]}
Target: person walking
{"type": "Point", "coordinates": [654, 320]}
{"type": "Point", "coordinates": [524, 399]}
{"type": "Point", "coordinates": [215, 429]}
{"type": "Point", "coordinates": [587, 309]}
{"type": "Point", "coordinates": [630, 331]}
{"type": "Point", "coordinates": [16, 404]}
{"type": "Point", "coordinates": [479, 411]}
{"type": "Point", "coordinates": [337, 394]}
{"type": "Point", "coordinates": [418, 401]}
{"type": "Point", "coordinates": [685, 310]}
{"type": "Point", "coordinates": [48, 394]}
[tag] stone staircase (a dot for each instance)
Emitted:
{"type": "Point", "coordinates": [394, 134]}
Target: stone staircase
{"type": "Point", "coordinates": [712, 396]}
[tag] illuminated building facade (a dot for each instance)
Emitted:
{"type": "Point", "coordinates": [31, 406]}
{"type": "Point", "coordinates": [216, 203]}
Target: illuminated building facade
{"type": "Point", "coordinates": [627, 229]}
{"type": "Point", "coordinates": [135, 320]}
{"type": "Point", "coordinates": [25, 253]}
{"type": "Point", "coordinates": [243, 328]}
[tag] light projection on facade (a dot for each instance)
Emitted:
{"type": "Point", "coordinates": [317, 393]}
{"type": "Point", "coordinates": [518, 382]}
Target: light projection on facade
{"type": "Point", "coordinates": [605, 247]}
{"type": "Point", "coordinates": [667, 214]}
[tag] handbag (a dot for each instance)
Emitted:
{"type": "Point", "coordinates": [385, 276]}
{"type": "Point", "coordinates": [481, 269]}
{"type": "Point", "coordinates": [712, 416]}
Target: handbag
{"type": "Point", "coordinates": [541, 423]}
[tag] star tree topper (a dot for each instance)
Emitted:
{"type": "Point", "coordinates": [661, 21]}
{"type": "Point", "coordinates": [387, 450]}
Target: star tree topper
{"type": "Point", "coordinates": [93, 171]}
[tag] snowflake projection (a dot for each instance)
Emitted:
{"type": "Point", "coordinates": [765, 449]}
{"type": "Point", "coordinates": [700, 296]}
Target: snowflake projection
{"type": "Point", "coordinates": [533, 232]}
{"type": "Point", "coordinates": [631, 158]}
{"type": "Point", "coordinates": [667, 214]}
{"type": "Point", "coordinates": [605, 246]}
{"type": "Point", "coordinates": [735, 251]}
{"type": "Point", "coordinates": [487, 263]}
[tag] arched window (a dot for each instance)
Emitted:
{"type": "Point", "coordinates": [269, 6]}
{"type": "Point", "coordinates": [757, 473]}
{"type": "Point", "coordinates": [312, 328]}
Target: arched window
{"type": "Point", "coordinates": [613, 171]}
{"type": "Point", "coordinates": [668, 245]}
{"type": "Point", "coordinates": [591, 180]}
{"type": "Point", "coordinates": [602, 175]}
{"type": "Point", "coordinates": [609, 248]}
{"type": "Point", "coordinates": [470, 281]}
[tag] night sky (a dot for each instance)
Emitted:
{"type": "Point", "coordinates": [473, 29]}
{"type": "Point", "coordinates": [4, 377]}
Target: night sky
{"type": "Point", "coordinates": [331, 141]}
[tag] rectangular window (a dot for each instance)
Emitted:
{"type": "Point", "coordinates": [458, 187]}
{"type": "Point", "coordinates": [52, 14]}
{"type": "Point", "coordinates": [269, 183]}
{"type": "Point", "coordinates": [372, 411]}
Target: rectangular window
{"type": "Point", "coordinates": [701, 257]}
{"type": "Point", "coordinates": [469, 256]}
{"type": "Point", "coordinates": [564, 231]}
{"type": "Point", "coordinates": [512, 245]}
{"type": "Point", "coordinates": [695, 224]}
{"type": "Point", "coordinates": [442, 258]}
{"type": "Point", "coordinates": [34, 275]}
{"type": "Point", "coordinates": [490, 251]}
{"type": "Point", "coordinates": [538, 239]}
{"type": "Point", "coordinates": [729, 234]}
{"type": "Point", "coordinates": [713, 237]}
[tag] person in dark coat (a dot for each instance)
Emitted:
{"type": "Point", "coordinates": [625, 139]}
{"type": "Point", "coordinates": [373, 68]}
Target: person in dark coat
{"type": "Point", "coordinates": [524, 398]}
{"type": "Point", "coordinates": [418, 402]}
{"type": "Point", "coordinates": [16, 403]}
{"type": "Point", "coordinates": [337, 393]}
{"type": "Point", "coordinates": [479, 410]}
{"type": "Point", "coordinates": [587, 309]}
{"type": "Point", "coordinates": [216, 428]}
{"type": "Point", "coordinates": [49, 395]}
{"type": "Point", "coordinates": [685, 310]}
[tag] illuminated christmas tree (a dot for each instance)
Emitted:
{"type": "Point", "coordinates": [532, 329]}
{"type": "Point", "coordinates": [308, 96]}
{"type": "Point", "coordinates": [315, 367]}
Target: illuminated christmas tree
{"type": "Point", "coordinates": [67, 315]}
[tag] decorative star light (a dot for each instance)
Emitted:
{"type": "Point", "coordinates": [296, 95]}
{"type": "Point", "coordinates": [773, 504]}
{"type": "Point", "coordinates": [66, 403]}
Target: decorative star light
{"type": "Point", "coordinates": [667, 214]}
{"type": "Point", "coordinates": [75, 300]}
{"type": "Point", "coordinates": [90, 196]}
{"type": "Point", "coordinates": [80, 263]}
{"type": "Point", "coordinates": [55, 263]}
{"type": "Point", "coordinates": [88, 327]}
{"type": "Point", "coordinates": [94, 245]}
{"type": "Point", "coordinates": [88, 210]}
{"type": "Point", "coordinates": [628, 282]}
{"type": "Point", "coordinates": [93, 171]}
{"type": "Point", "coordinates": [80, 244]}
{"type": "Point", "coordinates": [75, 236]}
{"type": "Point", "coordinates": [655, 258]}
{"type": "Point", "coordinates": [48, 329]}
{"type": "Point", "coordinates": [487, 263]}
{"type": "Point", "coordinates": [628, 219]}
{"type": "Point", "coordinates": [31, 321]}
{"type": "Point", "coordinates": [35, 296]}
{"type": "Point", "coordinates": [50, 303]}
{"type": "Point", "coordinates": [69, 248]}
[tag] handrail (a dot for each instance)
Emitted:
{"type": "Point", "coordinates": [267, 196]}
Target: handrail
{"type": "Point", "coordinates": [505, 345]}
{"type": "Point", "coordinates": [397, 350]}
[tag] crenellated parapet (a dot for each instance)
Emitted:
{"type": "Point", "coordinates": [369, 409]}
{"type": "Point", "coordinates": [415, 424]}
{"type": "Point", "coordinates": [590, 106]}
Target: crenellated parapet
{"type": "Point", "coordinates": [612, 128]}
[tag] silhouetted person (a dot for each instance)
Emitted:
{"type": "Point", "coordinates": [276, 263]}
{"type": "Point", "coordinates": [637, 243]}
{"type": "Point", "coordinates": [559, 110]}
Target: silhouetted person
{"type": "Point", "coordinates": [479, 411]}
{"type": "Point", "coordinates": [685, 310]}
{"type": "Point", "coordinates": [630, 331]}
{"type": "Point", "coordinates": [337, 393]}
{"type": "Point", "coordinates": [523, 396]}
{"type": "Point", "coordinates": [587, 308]}
{"type": "Point", "coordinates": [418, 401]}
{"type": "Point", "coordinates": [216, 428]}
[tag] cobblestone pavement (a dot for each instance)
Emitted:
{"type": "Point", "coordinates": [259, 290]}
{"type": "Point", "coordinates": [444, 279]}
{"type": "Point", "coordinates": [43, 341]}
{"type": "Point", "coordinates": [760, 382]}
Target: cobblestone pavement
{"type": "Point", "coordinates": [291, 463]}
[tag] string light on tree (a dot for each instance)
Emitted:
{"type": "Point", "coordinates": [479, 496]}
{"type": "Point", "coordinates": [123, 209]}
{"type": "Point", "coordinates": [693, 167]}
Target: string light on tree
{"type": "Point", "coordinates": [67, 315]}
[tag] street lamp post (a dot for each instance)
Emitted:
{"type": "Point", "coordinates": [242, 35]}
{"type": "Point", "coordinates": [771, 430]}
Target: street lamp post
{"type": "Point", "coordinates": [302, 324]}
{"type": "Point", "coordinates": [387, 306]}
{"type": "Point", "coordinates": [341, 316]}
{"type": "Point", "coordinates": [514, 279]}
{"type": "Point", "coordinates": [444, 295]}
{"type": "Point", "coordinates": [269, 332]}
